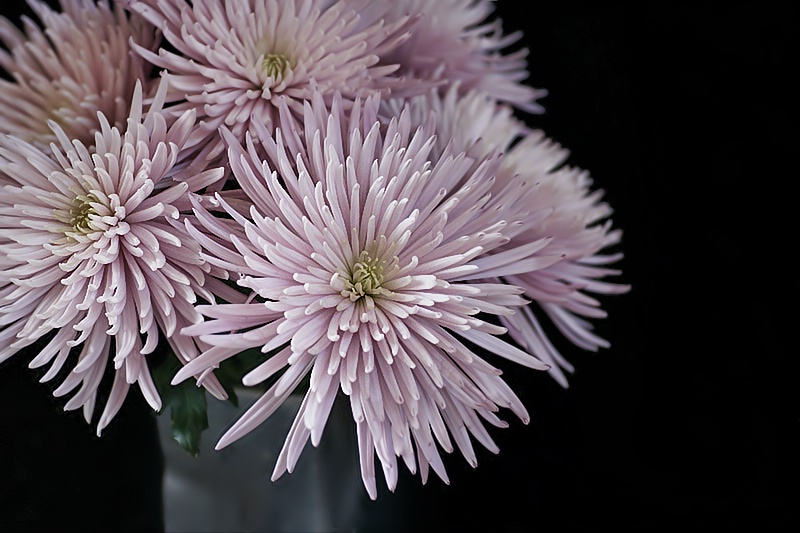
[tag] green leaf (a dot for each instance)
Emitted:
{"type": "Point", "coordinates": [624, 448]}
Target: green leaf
{"type": "Point", "coordinates": [186, 402]}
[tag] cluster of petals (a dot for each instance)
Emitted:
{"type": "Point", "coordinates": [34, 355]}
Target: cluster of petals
{"type": "Point", "coordinates": [343, 185]}
{"type": "Point", "coordinates": [577, 221]}
{"type": "Point", "coordinates": [95, 265]}
{"type": "Point", "coordinates": [77, 62]}
{"type": "Point", "coordinates": [363, 253]}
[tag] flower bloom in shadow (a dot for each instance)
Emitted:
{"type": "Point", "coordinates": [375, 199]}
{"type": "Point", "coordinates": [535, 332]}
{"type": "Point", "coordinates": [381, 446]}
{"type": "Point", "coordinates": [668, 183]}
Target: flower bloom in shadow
{"type": "Point", "coordinates": [577, 222]}
{"type": "Point", "coordinates": [94, 264]}
{"type": "Point", "coordinates": [77, 63]}
{"type": "Point", "coordinates": [455, 42]}
{"type": "Point", "coordinates": [364, 251]}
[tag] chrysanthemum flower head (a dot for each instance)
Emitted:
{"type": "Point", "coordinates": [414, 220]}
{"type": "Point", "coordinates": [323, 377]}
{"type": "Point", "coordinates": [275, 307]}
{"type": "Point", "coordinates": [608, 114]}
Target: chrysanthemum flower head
{"type": "Point", "coordinates": [583, 232]}
{"type": "Point", "coordinates": [577, 223]}
{"type": "Point", "coordinates": [78, 62]}
{"type": "Point", "coordinates": [95, 265]}
{"type": "Point", "coordinates": [233, 61]}
{"type": "Point", "coordinates": [363, 251]}
{"type": "Point", "coordinates": [458, 42]}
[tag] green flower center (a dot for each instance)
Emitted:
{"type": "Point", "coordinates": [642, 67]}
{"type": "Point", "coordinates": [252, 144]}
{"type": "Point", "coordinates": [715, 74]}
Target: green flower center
{"type": "Point", "coordinates": [276, 65]}
{"type": "Point", "coordinates": [80, 212]}
{"type": "Point", "coordinates": [364, 278]}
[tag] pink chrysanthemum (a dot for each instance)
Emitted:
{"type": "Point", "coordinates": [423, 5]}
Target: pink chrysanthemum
{"type": "Point", "coordinates": [94, 264]}
{"type": "Point", "coordinates": [364, 251]}
{"type": "Point", "coordinates": [233, 61]}
{"type": "Point", "coordinates": [583, 233]}
{"type": "Point", "coordinates": [456, 42]}
{"type": "Point", "coordinates": [77, 63]}
{"type": "Point", "coordinates": [578, 223]}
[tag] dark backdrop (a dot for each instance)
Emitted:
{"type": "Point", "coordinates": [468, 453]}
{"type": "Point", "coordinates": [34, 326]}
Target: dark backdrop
{"type": "Point", "coordinates": [682, 113]}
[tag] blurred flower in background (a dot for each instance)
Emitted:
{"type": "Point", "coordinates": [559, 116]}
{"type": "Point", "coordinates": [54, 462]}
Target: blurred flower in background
{"type": "Point", "coordinates": [75, 63]}
{"type": "Point", "coordinates": [456, 43]}
{"type": "Point", "coordinates": [571, 216]}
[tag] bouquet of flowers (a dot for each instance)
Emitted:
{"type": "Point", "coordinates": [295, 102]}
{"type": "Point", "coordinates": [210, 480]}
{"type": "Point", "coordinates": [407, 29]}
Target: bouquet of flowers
{"type": "Point", "coordinates": [318, 197]}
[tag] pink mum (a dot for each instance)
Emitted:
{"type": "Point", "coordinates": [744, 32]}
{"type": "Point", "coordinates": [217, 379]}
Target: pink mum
{"type": "Point", "coordinates": [364, 253]}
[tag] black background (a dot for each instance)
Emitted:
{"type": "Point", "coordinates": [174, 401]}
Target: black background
{"type": "Point", "coordinates": [683, 115]}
